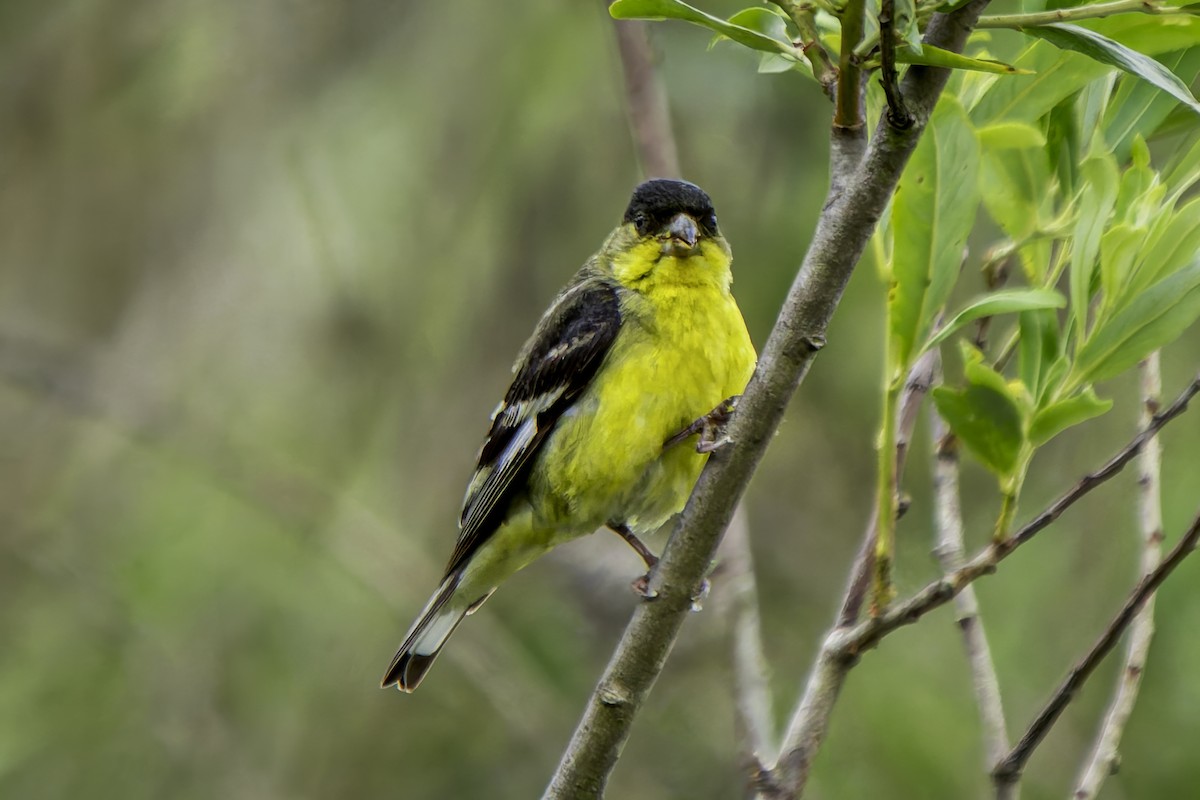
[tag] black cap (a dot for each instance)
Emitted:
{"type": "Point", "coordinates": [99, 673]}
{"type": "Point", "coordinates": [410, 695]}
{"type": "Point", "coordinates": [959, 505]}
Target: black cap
{"type": "Point", "coordinates": [659, 199]}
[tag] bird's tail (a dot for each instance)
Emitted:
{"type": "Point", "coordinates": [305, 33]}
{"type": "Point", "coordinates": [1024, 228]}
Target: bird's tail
{"type": "Point", "coordinates": [428, 635]}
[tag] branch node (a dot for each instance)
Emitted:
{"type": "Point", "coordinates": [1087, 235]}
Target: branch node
{"type": "Point", "coordinates": [613, 697]}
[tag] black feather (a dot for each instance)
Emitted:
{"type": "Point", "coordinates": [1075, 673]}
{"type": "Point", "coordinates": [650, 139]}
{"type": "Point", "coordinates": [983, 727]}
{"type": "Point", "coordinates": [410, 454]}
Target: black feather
{"type": "Point", "coordinates": [657, 201]}
{"type": "Point", "coordinates": [558, 364]}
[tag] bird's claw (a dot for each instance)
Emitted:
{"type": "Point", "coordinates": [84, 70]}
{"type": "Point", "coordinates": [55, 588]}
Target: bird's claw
{"type": "Point", "coordinates": [711, 428]}
{"type": "Point", "coordinates": [641, 587]}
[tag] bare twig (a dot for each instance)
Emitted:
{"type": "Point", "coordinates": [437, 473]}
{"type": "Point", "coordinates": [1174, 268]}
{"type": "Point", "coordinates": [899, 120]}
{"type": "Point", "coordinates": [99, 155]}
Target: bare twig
{"type": "Point", "coordinates": [851, 642]}
{"type": "Point", "coordinates": [920, 379]}
{"type": "Point", "coordinates": [646, 99]}
{"type": "Point", "coordinates": [1104, 757]}
{"type": "Point", "coordinates": [1093, 11]}
{"type": "Point", "coordinates": [752, 690]}
{"type": "Point", "coordinates": [898, 113]}
{"type": "Point", "coordinates": [1010, 767]}
{"type": "Point", "coordinates": [848, 110]}
{"type": "Point", "coordinates": [844, 645]}
{"type": "Point", "coordinates": [950, 554]}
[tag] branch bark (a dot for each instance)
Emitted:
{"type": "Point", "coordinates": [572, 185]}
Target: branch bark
{"type": "Point", "coordinates": [1010, 768]}
{"type": "Point", "coordinates": [646, 100]}
{"type": "Point", "coordinates": [916, 386]}
{"type": "Point", "coordinates": [751, 683]}
{"type": "Point", "coordinates": [951, 555]}
{"type": "Point", "coordinates": [1105, 755]}
{"type": "Point", "coordinates": [845, 644]}
{"type": "Point", "coordinates": [850, 643]}
{"type": "Point", "coordinates": [843, 229]}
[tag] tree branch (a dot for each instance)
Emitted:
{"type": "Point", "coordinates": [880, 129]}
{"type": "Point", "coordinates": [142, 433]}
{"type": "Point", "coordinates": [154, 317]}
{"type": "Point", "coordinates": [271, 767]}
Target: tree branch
{"type": "Point", "coordinates": [844, 227]}
{"type": "Point", "coordinates": [850, 643]}
{"type": "Point", "coordinates": [916, 386]}
{"type": "Point", "coordinates": [751, 686]}
{"type": "Point", "coordinates": [887, 64]}
{"type": "Point", "coordinates": [1095, 11]}
{"type": "Point", "coordinates": [646, 100]}
{"type": "Point", "coordinates": [1010, 768]}
{"type": "Point", "coordinates": [848, 111]}
{"type": "Point", "coordinates": [1104, 757]}
{"type": "Point", "coordinates": [951, 555]}
{"type": "Point", "coordinates": [844, 645]}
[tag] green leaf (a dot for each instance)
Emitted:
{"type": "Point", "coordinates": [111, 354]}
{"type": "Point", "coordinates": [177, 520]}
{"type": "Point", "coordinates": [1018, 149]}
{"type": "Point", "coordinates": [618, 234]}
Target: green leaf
{"type": "Point", "coordinates": [772, 63]}
{"type": "Point", "coordinates": [1185, 170]}
{"type": "Point", "coordinates": [1152, 319]}
{"type": "Point", "coordinates": [675, 9]}
{"type": "Point", "coordinates": [1057, 417]}
{"type": "Point", "coordinates": [1025, 98]}
{"type": "Point", "coordinates": [1010, 136]}
{"type": "Point", "coordinates": [1139, 108]}
{"type": "Point", "coordinates": [1119, 247]}
{"type": "Point", "coordinates": [1136, 182]}
{"type": "Point", "coordinates": [931, 56]}
{"type": "Point", "coordinates": [763, 20]}
{"type": "Point", "coordinates": [1106, 51]}
{"type": "Point", "coordinates": [1170, 246]}
{"type": "Point", "coordinates": [906, 25]}
{"type": "Point", "coordinates": [1150, 34]}
{"type": "Point", "coordinates": [1100, 181]}
{"type": "Point", "coordinates": [979, 373]}
{"type": "Point", "coordinates": [1016, 187]}
{"type": "Point", "coordinates": [1094, 102]}
{"type": "Point", "coordinates": [1039, 349]}
{"type": "Point", "coordinates": [987, 421]}
{"type": "Point", "coordinates": [932, 213]}
{"type": "Point", "coordinates": [996, 303]}
{"type": "Point", "coordinates": [1064, 143]}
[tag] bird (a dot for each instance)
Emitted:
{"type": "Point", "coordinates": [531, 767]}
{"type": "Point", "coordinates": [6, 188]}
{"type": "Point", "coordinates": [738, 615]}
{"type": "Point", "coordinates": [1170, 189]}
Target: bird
{"type": "Point", "coordinates": [644, 348]}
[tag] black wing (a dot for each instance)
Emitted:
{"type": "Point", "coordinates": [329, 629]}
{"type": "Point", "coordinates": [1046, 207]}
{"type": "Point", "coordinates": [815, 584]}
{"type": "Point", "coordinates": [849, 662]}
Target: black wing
{"type": "Point", "coordinates": [554, 368]}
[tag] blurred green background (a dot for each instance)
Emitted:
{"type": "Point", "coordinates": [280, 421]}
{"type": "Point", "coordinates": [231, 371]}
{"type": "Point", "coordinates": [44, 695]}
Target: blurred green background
{"type": "Point", "coordinates": [263, 269]}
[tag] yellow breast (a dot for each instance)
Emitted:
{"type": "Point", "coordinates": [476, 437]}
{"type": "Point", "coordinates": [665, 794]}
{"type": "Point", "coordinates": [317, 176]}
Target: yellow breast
{"type": "Point", "coordinates": [683, 348]}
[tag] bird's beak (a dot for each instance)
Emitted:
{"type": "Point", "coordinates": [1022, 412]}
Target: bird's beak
{"type": "Point", "coordinates": [681, 236]}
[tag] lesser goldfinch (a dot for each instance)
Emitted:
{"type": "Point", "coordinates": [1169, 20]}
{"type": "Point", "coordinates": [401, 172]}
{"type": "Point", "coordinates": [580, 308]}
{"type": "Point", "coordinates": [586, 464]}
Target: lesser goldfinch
{"type": "Point", "coordinates": [643, 342]}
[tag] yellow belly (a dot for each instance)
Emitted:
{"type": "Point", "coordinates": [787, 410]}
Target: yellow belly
{"type": "Point", "coordinates": [681, 351]}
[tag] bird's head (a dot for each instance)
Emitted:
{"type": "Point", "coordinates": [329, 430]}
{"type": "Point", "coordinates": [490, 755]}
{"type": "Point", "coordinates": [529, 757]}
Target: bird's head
{"type": "Point", "coordinates": [676, 214]}
{"type": "Point", "coordinates": [670, 222]}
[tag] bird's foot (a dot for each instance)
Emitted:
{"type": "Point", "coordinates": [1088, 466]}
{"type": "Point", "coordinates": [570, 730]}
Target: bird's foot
{"type": "Point", "coordinates": [701, 595]}
{"type": "Point", "coordinates": [711, 428]}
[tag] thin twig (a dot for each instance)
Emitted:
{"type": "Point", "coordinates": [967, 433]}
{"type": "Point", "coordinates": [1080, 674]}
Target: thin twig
{"type": "Point", "coordinates": [810, 44]}
{"type": "Point", "coordinates": [1010, 768]}
{"type": "Point", "coordinates": [844, 645]}
{"type": "Point", "coordinates": [951, 555]}
{"type": "Point", "coordinates": [1105, 755]}
{"type": "Point", "coordinates": [916, 386]}
{"type": "Point", "coordinates": [646, 100]}
{"type": "Point", "coordinates": [848, 111]}
{"type": "Point", "coordinates": [850, 643]}
{"type": "Point", "coordinates": [1095, 11]}
{"type": "Point", "coordinates": [843, 229]}
{"type": "Point", "coordinates": [751, 685]}
{"type": "Point", "coordinates": [897, 112]}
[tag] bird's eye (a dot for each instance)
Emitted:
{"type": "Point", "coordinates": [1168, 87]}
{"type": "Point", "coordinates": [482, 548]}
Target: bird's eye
{"type": "Point", "coordinates": [640, 221]}
{"type": "Point", "coordinates": [710, 222]}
